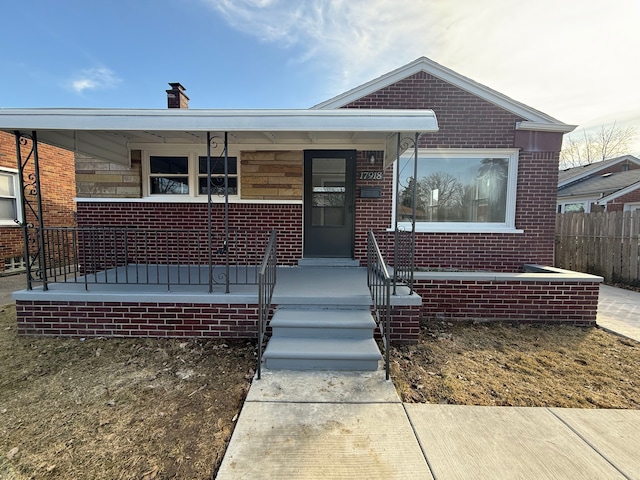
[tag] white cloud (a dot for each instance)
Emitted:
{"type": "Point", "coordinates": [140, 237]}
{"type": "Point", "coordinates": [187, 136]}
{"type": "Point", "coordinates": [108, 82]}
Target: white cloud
{"type": "Point", "coordinates": [99, 78]}
{"type": "Point", "coordinates": [573, 59]}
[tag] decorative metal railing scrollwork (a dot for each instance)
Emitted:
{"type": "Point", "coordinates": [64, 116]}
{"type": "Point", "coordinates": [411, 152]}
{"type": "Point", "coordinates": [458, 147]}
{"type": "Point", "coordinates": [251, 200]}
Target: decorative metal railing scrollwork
{"type": "Point", "coordinates": [31, 200]}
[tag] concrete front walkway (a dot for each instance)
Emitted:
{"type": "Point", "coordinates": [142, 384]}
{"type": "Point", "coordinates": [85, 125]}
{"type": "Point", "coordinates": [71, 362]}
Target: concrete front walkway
{"type": "Point", "coordinates": [619, 311]}
{"type": "Point", "coordinates": [321, 425]}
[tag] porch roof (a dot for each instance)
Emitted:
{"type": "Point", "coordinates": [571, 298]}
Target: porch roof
{"type": "Point", "coordinates": [110, 133]}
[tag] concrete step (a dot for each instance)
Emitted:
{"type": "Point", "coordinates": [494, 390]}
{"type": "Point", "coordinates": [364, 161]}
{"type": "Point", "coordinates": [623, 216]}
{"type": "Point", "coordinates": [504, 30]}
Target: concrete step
{"type": "Point", "coordinates": [289, 353]}
{"type": "Point", "coordinates": [323, 323]}
{"type": "Point", "coordinates": [328, 262]}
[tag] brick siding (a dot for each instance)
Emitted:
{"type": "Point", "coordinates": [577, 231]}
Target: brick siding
{"type": "Point", "coordinates": [617, 204]}
{"type": "Point", "coordinates": [58, 191]}
{"type": "Point", "coordinates": [286, 218]}
{"type": "Point", "coordinates": [467, 121]}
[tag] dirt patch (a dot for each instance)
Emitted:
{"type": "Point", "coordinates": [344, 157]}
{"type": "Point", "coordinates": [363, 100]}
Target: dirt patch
{"type": "Point", "coordinates": [117, 408]}
{"type": "Point", "coordinates": [496, 364]}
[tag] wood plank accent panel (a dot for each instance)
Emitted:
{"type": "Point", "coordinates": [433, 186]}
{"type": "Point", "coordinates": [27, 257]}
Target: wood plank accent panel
{"type": "Point", "coordinates": [271, 175]}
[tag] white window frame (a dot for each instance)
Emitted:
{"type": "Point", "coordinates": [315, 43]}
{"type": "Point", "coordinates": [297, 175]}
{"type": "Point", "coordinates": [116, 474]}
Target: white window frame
{"type": "Point", "coordinates": [192, 152]}
{"type": "Point", "coordinates": [508, 226]}
{"type": "Point", "coordinates": [563, 204]}
{"type": "Point", "coordinates": [15, 174]}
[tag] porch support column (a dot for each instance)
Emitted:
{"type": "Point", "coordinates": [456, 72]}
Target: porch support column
{"type": "Point", "coordinates": [33, 230]}
{"type": "Point", "coordinates": [415, 211]}
{"type": "Point", "coordinates": [209, 207]}
{"type": "Point", "coordinates": [226, 208]}
{"type": "Point", "coordinates": [395, 230]}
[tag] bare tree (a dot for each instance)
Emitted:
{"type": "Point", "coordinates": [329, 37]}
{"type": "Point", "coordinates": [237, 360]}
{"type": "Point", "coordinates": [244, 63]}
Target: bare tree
{"type": "Point", "coordinates": [596, 145]}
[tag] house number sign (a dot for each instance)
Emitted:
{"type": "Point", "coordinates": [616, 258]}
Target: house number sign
{"type": "Point", "coordinates": [371, 175]}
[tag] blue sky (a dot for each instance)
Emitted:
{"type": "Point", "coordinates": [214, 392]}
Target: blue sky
{"type": "Point", "coordinates": [573, 59]}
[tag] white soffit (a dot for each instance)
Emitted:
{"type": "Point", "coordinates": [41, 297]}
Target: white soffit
{"type": "Point", "coordinates": [107, 134]}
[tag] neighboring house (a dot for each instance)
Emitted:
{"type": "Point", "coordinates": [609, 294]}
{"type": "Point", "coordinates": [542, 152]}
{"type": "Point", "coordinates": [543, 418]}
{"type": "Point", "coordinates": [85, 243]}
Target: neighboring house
{"type": "Point", "coordinates": [486, 175]}
{"type": "Point", "coordinates": [609, 185]}
{"type": "Point", "coordinates": [58, 189]}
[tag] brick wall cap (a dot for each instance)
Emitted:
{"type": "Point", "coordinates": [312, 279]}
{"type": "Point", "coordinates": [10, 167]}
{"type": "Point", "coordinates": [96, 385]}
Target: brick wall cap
{"type": "Point", "coordinates": [532, 273]}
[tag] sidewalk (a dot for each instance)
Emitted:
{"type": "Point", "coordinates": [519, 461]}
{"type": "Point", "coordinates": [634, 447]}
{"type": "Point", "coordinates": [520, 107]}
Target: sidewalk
{"type": "Point", "coordinates": [321, 425]}
{"type": "Point", "coordinates": [619, 311]}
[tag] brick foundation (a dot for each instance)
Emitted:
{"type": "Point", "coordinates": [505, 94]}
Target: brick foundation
{"type": "Point", "coordinates": [151, 319]}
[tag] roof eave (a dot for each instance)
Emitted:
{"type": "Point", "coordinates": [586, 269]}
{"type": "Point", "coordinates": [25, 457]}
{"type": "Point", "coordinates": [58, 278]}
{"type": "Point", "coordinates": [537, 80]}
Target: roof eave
{"type": "Point", "coordinates": [429, 66]}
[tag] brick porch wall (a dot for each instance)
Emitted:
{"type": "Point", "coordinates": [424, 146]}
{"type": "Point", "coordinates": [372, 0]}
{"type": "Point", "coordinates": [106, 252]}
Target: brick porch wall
{"type": "Point", "coordinates": [512, 301]}
{"type": "Point", "coordinates": [144, 319]}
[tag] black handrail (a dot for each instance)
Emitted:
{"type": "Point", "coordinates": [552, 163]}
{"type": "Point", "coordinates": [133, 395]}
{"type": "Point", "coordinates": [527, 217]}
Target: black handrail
{"type": "Point", "coordinates": [379, 282]}
{"type": "Point", "coordinates": [266, 285]}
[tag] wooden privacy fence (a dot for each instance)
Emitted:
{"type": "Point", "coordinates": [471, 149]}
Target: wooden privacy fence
{"type": "Point", "coordinates": [603, 243]}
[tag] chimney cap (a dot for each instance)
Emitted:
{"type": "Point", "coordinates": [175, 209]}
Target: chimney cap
{"type": "Point", "coordinates": [177, 86]}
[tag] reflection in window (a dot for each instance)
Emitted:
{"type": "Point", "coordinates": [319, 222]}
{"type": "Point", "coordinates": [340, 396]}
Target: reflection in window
{"type": "Point", "coordinates": [217, 175]}
{"type": "Point", "coordinates": [456, 189]}
{"type": "Point", "coordinates": [8, 197]}
{"type": "Point", "coordinates": [169, 175]}
{"type": "Point", "coordinates": [574, 208]}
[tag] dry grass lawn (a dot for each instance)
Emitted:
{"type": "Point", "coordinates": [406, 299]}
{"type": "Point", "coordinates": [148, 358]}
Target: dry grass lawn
{"type": "Point", "coordinates": [117, 408]}
{"type": "Point", "coordinates": [497, 364]}
{"type": "Point", "coordinates": [160, 409]}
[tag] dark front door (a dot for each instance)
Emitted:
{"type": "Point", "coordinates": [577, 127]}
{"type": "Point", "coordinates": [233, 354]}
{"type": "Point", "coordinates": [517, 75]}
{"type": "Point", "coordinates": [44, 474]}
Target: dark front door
{"type": "Point", "coordinates": [329, 203]}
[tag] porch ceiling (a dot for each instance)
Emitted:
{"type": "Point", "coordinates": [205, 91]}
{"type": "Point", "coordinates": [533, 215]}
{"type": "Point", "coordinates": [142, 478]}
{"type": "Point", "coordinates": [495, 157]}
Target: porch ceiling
{"type": "Point", "coordinates": [109, 134]}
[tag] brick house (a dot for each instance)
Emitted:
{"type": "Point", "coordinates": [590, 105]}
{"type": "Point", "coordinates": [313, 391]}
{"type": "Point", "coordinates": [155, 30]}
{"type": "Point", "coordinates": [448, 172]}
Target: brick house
{"type": "Point", "coordinates": [611, 185]}
{"type": "Point", "coordinates": [476, 193]}
{"type": "Point", "coordinates": [58, 189]}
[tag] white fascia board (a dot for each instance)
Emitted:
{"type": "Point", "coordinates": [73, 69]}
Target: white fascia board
{"type": "Point", "coordinates": [114, 120]}
{"type": "Point", "coordinates": [619, 193]}
{"type": "Point", "coordinates": [545, 127]}
{"type": "Point", "coordinates": [447, 75]}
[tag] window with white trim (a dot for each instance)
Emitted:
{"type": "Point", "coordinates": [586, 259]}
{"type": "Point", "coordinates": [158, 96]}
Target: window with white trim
{"type": "Point", "coordinates": [573, 207]}
{"type": "Point", "coordinates": [459, 190]}
{"type": "Point", "coordinates": [183, 173]}
{"type": "Point", "coordinates": [10, 206]}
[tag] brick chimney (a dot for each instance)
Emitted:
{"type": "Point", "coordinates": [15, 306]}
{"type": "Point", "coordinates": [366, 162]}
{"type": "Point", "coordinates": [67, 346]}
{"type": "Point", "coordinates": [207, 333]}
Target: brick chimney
{"type": "Point", "coordinates": [176, 98]}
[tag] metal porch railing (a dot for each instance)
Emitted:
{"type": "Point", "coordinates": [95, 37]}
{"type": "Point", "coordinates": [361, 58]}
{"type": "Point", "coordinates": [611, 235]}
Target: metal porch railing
{"type": "Point", "coordinates": [403, 259]}
{"type": "Point", "coordinates": [266, 285]}
{"type": "Point", "coordinates": [143, 256]}
{"type": "Point", "coordinates": [379, 282]}
{"type": "Point", "coordinates": [398, 247]}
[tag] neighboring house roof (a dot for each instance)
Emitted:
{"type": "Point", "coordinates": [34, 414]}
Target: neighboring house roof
{"type": "Point", "coordinates": [109, 133]}
{"type": "Point", "coordinates": [575, 174]}
{"type": "Point", "coordinates": [535, 120]}
{"type": "Point", "coordinates": [601, 185]}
